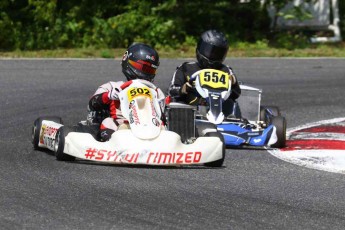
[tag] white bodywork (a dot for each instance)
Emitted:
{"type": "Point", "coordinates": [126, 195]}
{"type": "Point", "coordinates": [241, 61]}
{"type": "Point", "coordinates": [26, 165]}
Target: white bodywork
{"type": "Point", "coordinates": [124, 147]}
{"type": "Point", "coordinates": [206, 79]}
{"type": "Point", "coordinates": [47, 134]}
{"type": "Point", "coordinates": [145, 142]}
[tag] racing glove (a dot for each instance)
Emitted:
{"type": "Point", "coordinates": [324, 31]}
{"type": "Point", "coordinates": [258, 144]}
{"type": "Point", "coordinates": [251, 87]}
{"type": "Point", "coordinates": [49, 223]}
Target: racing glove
{"type": "Point", "coordinates": [113, 93]}
{"type": "Point", "coordinates": [186, 88]}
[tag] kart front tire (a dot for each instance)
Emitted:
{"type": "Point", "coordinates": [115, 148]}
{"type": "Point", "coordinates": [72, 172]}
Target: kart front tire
{"type": "Point", "coordinates": [35, 132]}
{"type": "Point", "coordinates": [217, 163]}
{"type": "Point", "coordinates": [59, 146]}
{"type": "Point", "coordinates": [280, 123]}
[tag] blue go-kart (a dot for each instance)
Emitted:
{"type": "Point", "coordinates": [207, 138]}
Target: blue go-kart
{"type": "Point", "coordinates": [250, 124]}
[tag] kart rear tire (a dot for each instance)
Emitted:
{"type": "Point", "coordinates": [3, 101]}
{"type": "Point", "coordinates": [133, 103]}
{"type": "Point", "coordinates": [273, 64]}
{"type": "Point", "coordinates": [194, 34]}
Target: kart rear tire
{"type": "Point", "coordinates": [60, 145]}
{"type": "Point", "coordinates": [217, 163]}
{"type": "Point", "coordinates": [280, 123]}
{"type": "Point", "coordinates": [263, 112]}
{"type": "Point", "coordinates": [202, 127]}
{"type": "Point", "coordinates": [35, 132]}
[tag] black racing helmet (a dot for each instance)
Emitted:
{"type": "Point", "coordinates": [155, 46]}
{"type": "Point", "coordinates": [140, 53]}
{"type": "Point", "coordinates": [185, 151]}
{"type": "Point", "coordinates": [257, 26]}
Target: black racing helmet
{"type": "Point", "coordinates": [212, 49]}
{"type": "Point", "coordinates": [140, 61]}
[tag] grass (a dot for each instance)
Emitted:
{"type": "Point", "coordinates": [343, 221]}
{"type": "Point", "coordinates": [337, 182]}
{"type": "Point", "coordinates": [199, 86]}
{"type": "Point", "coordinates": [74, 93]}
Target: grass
{"type": "Point", "coordinates": [258, 49]}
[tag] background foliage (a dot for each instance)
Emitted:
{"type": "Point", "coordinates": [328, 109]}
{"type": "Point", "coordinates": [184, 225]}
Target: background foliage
{"type": "Point", "coordinates": [51, 24]}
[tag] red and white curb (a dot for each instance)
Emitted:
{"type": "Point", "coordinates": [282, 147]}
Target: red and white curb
{"type": "Point", "coordinates": [319, 145]}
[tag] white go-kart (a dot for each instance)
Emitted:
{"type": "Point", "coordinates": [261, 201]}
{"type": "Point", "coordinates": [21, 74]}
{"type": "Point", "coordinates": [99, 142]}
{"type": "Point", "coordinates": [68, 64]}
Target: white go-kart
{"type": "Point", "coordinates": [144, 141]}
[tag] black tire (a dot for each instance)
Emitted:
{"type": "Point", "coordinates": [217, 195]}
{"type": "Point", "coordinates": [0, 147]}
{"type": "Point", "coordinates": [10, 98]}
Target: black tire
{"type": "Point", "coordinates": [264, 114]}
{"type": "Point", "coordinates": [60, 144]}
{"type": "Point", "coordinates": [217, 163]}
{"type": "Point", "coordinates": [280, 123]}
{"type": "Point", "coordinates": [35, 132]}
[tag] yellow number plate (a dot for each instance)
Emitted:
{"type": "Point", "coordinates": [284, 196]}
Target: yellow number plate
{"type": "Point", "coordinates": [135, 92]}
{"type": "Point", "coordinates": [215, 79]}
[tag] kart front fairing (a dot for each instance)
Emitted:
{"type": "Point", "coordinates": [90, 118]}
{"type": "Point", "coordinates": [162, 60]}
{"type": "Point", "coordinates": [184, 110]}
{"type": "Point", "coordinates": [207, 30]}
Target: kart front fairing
{"type": "Point", "coordinates": [124, 147]}
{"type": "Point", "coordinates": [215, 87]}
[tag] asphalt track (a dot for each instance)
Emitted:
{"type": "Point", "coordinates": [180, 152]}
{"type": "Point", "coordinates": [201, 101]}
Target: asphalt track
{"type": "Point", "coordinates": [254, 190]}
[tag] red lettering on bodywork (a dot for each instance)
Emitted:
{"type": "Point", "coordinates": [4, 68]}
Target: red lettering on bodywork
{"type": "Point", "coordinates": [152, 157]}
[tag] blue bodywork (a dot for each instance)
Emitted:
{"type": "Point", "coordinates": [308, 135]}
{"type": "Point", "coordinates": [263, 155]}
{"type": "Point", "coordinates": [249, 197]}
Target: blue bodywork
{"type": "Point", "coordinates": [238, 134]}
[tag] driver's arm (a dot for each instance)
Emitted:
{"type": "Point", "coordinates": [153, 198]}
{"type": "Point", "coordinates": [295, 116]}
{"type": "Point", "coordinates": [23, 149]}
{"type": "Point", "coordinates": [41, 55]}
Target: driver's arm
{"type": "Point", "coordinates": [235, 87]}
{"type": "Point", "coordinates": [177, 82]}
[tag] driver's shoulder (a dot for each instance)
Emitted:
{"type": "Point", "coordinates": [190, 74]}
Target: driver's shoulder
{"type": "Point", "coordinates": [188, 65]}
{"type": "Point", "coordinates": [115, 83]}
{"type": "Point", "coordinates": [226, 68]}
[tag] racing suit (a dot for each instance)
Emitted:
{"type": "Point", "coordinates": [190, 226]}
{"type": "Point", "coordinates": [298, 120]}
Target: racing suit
{"type": "Point", "coordinates": [104, 107]}
{"type": "Point", "coordinates": [180, 91]}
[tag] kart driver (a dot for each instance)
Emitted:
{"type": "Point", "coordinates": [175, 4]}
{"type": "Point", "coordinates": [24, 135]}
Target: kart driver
{"type": "Point", "coordinates": [211, 51]}
{"type": "Point", "coordinates": [140, 61]}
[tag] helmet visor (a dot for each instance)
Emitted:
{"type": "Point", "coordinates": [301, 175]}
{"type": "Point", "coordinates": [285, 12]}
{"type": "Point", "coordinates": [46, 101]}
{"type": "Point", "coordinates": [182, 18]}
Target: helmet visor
{"type": "Point", "coordinates": [212, 52]}
{"type": "Point", "coordinates": [143, 66]}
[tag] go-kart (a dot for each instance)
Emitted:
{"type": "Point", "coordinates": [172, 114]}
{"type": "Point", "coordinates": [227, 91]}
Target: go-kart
{"type": "Point", "coordinates": [144, 140]}
{"type": "Point", "coordinates": [249, 124]}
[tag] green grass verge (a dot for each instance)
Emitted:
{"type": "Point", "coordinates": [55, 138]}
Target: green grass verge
{"type": "Point", "coordinates": [237, 50]}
